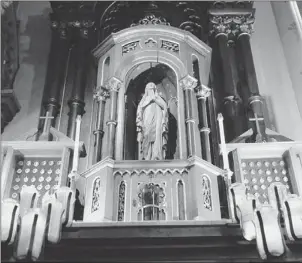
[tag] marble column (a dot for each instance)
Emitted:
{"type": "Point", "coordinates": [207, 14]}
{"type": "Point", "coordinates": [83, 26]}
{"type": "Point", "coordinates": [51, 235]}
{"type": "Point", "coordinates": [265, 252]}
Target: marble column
{"type": "Point", "coordinates": [243, 32]}
{"type": "Point", "coordinates": [80, 56]}
{"type": "Point", "coordinates": [188, 84]}
{"type": "Point", "coordinates": [56, 70]}
{"type": "Point", "coordinates": [113, 85]}
{"type": "Point", "coordinates": [100, 96]}
{"type": "Point", "coordinates": [231, 104]}
{"type": "Point", "coordinates": [202, 93]}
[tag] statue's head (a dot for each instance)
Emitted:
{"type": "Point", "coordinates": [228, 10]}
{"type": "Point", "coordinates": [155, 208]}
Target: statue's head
{"type": "Point", "coordinates": [150, 88]}
{"type": "Point", "coordinates": [150, 85]}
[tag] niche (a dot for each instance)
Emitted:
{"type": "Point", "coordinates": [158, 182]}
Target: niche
{"type": "Point", "coordinates": [166, 84]}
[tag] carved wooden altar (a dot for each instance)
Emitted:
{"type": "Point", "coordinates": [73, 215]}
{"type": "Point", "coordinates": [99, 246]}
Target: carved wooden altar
{"type": "Point", "coordinates": [236, 199]}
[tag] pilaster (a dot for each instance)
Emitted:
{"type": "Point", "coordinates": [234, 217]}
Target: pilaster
{"type": "Point", "coordinates": [188, 84]}
{"type": "Point", "coordinates": [113, 85]}
{"type": "Point", "coordinates": [202, 93]}
{"type": "Point", "coordinates": [100, 96]}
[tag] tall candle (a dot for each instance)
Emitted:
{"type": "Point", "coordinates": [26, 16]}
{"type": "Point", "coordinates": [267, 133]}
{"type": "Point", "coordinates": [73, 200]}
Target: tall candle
{"type": "Point", "coordinates": [222, 142]}
{"type": "Point", "coordinates": [76, 144]}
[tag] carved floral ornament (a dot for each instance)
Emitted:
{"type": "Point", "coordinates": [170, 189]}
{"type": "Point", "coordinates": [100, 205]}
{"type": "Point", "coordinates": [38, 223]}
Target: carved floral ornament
{"type": "Point", "coordinates": [188, 82]}
{"type": "Point", "coordinates": [151, 20]}
{"type": "Point", "coordinates": [231, 25]}
{"type": "Point", "coordinates": [63, 26]}
{"type": "Point", "coordinates": [202, 91]}
{"type": "Point", "coordinates": [101, 94]}
{"type": "Point", "coordinates": [113, 84]}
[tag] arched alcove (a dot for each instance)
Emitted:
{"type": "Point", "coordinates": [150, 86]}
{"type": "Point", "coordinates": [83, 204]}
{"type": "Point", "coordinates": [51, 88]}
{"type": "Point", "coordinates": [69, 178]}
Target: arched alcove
{"type": "Point", "coordinates": [166, 84]}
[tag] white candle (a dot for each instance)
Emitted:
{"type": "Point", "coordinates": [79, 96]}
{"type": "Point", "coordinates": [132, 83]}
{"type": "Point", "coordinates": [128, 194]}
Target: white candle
{"type": "Point", "coordinates": [222, 142]}
{"type": "Point", "coordinates": [76, 145]}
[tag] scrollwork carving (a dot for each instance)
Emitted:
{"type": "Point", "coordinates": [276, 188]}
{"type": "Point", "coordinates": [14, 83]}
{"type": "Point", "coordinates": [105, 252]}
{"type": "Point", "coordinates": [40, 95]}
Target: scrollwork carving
{"type": "Point", "coordinates": [151, 20]}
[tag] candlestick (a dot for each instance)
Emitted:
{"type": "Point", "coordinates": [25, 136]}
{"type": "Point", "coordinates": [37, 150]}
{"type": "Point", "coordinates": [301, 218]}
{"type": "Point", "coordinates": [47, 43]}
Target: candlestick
{"type": "Point", "coordinates": [223, 149]}
{"type": "Point", "coordinates": [76, 145]}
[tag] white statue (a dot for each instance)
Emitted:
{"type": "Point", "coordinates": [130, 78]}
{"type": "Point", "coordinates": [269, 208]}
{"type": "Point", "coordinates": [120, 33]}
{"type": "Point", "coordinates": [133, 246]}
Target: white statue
{"type": "Point", "coordinates": [152, 125]}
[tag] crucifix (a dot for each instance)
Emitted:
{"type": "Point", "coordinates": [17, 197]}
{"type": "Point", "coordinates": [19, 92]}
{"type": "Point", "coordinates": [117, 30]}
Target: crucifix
{"type": "Point", "coordinates": [46, 127]}
{"type": "Point", "coordinates": [259, 137]}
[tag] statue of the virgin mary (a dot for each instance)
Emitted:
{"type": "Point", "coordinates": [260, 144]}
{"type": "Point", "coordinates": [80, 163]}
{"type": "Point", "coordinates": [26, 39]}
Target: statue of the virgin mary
{"type": "Point", "coordinates": [152, 125]}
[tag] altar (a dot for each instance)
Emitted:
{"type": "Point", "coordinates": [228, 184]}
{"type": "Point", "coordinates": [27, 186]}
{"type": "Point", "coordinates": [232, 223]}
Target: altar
{"type": "Point", "coordinates": [152, 144]}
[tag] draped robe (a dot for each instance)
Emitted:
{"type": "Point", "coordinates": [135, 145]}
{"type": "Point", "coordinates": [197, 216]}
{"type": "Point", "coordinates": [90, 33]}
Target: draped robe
{"type": "Point", "coordinates": [152, 125]}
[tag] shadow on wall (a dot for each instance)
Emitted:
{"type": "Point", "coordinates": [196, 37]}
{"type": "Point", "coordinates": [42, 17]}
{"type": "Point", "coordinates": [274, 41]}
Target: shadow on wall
{"type": "Point", "coordinates": [34, 49]}
{"type": "Point", "coordinates": [38, 33]}
{"type": "Point", "coordinates": [34, 42]}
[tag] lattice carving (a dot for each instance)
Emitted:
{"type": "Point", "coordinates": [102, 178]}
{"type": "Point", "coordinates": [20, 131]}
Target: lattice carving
{"type": "Point", "coordinates": [206, 192]}
{"type": "Point", "coordinates": [41, 173]}
{"type": "Point", "coordinates": [129, 47]}
{"type": "Point", "coordinates": [169, 45]}
{"type": "Point", "coordinates": [259, 174]}
{"type": "Point", "coordinates": [96, 195]}
{"type": "Point", "coordinates": [121, 201]}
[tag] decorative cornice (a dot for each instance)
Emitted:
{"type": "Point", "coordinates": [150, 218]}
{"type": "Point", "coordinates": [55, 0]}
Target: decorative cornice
{"type": "Point", "coordinates": [188, 82]}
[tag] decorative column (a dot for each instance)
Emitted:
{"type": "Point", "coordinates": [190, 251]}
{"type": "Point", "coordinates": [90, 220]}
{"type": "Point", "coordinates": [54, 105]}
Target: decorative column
{"type": "Point", "coordinates": [100, 96]}
{"type": "Point", "coordinates": [80, 55]}
{"type": "Point", "coordinates": [202, 93]}
{"type": "Point", "coordinates": [58, 57]}
{"type": "Point", "coordinates": [188, 84]}
{"type": "Point", "coordinates": [243, 31]}
{"type": "Point", "coordinates": [231, 106]}
{"type": "Point", "coordinates": [113, 85]}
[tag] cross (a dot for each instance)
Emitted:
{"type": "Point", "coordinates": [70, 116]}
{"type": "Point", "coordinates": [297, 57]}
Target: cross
{"type": "Point", "coordinates": [256, 119]}
{"type": "Point", "coordinates": [46, 127]}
